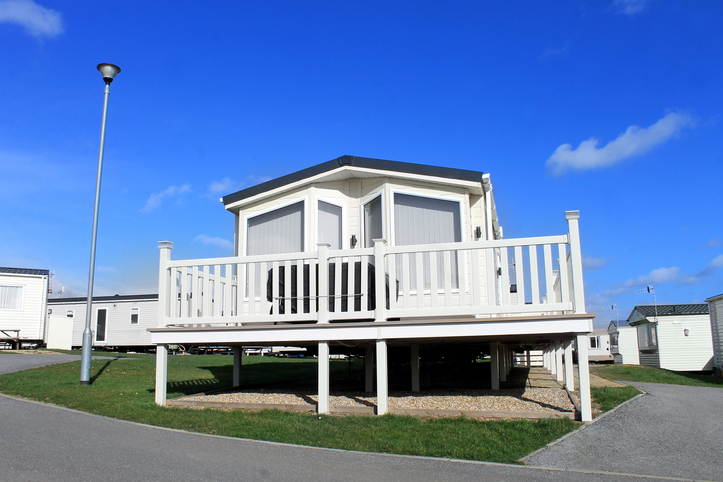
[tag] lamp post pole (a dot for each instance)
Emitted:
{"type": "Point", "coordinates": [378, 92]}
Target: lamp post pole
{"type": "Point", "coordinates": [108, 71]}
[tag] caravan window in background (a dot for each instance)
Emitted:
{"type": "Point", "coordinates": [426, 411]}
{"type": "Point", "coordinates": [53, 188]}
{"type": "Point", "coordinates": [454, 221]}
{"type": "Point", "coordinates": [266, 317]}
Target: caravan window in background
{"type": "Point", "coordinates": [70, 313]}
{"type": "Point", "coordinates": [594, 341]}
{"type": "Point", "coordinates": [135, 313]}
{"type": "Point", "coordinates": [11, 297]}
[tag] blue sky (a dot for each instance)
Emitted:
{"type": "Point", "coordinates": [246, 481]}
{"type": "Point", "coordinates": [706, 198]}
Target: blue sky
{"type": "Point", "coordinates": [610, 107]}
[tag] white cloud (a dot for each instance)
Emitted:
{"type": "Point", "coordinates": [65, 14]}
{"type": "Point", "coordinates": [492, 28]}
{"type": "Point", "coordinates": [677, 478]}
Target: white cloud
{"type": "Point", "coordinates": [38, 21]}
{"type": "Point", "coordinates": [155, 200]}
{"type": "Point", "coordinates": [715, 264]}
{"type": "Point", "coordinates": [713, 243]}
{"type": "Point", "coordinates": [220, 242]}
{"type": "Point", "coordinates": [223, 187]}
{"type": "Point", "coordinates": [591, 263]}
{"type": "Point", "coordinates": [635, 141]}
{"type": "Point", "coordinates": [629, 7]}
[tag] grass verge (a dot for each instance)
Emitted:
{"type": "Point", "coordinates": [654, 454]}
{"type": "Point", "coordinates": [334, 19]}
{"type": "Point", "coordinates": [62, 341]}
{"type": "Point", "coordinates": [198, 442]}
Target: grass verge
{"type": "Point", "coordinates": [635, 373]}
{"type": "Point", "coordinates": [123, 389]}
{"type": "Point", "coordinates": [607, 398]}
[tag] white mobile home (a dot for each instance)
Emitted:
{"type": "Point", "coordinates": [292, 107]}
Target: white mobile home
{"type": "Point", "coordinates": [379, 255]}
{"type": "Point", "coordinates": [715, 307]}
{"type": "Point", "coordinates": [624, 344]}
{"type": "Point", "coordinates": [674, 337]}
{"type": "Point", "coordinates": [599, 346]}
{"type": "Point", "coordinates": [119, 322]}
{"type": "Point", "coordinates": [23, 298]}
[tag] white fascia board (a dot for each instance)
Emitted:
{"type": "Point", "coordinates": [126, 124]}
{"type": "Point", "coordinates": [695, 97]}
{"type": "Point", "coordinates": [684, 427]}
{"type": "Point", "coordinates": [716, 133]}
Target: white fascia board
{"type": "Point", "coordinates": [352, 172]}
{"type": "Point", "coordinates": [371, 331]}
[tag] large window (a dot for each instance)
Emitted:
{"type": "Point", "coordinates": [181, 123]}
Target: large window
{"type": "Point", "coordinates": [278, 231]}
{"type": "Point", "coordinates": [647, 336]}
{"type": "Point", "coordinates": [373, 221]}
{"type": "Point", "coordinates": [11, 297]}
{"type": "Point", "coordinates": [422, 220]}
{"type": "Point", "coordinates": [100, 325]}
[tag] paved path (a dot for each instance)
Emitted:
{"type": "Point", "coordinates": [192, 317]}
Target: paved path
{"type": "Point", "coordinates": [40, 442]}
{"type": "Point", "coordinates": [673, 431]}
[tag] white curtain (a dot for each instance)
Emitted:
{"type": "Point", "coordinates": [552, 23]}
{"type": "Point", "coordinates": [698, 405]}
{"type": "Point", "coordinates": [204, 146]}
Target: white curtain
{"type": "Point", "coordinates": [329, 222]}
{"type": "Point", "coordinates": [11, 297]}
{"type": "Point", "coordinates": [421, 220]}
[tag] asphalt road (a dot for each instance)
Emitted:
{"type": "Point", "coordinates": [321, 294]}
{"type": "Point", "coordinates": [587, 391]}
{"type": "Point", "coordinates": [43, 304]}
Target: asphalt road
{"type": "Point", "coordinates": [673, 431]}
{"type": "Point", "coordinates": [40, 442]}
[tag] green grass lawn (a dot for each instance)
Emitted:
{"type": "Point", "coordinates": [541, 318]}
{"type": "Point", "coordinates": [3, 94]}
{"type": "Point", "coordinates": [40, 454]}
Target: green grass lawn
{"type": "Point", "coordinates": [123, 389]}
{"type": "Point", "coordinates": [635, 373]}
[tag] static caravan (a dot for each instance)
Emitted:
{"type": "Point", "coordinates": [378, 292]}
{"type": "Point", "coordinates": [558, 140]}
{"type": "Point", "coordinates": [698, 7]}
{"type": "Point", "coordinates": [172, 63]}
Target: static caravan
{"type": "Point", "coordinates": [674, 337]}
{"type": "Point", "coordinates": [23, 299]}
{"type": "Point", "coordinates": [715, 307]}
{"type": "Point", "coordinates": [599, 346]}
{"type": "Point", "coordinates": [624, 344]}
{"type": "Point", "coordinates": [119, 322]}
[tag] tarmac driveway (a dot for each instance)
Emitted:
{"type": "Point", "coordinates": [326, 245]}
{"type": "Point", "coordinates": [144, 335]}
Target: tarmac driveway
{"type": "Point", "coordinates": [673, 431]}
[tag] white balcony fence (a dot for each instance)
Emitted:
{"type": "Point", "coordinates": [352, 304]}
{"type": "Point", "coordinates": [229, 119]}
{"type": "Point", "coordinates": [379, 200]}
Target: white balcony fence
{"type": "Point", "coordinates": [525, 276]}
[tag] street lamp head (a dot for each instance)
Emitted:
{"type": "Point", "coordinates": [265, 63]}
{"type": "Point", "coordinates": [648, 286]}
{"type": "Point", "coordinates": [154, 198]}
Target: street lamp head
{"type": "Point", "coordinates": [108, 71]}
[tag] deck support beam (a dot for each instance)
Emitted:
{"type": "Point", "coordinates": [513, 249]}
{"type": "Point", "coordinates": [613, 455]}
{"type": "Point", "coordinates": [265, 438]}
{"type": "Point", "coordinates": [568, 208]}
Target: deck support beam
{"type": "Point", "coordinates": [415, 367]}
{"type": "Point", "coordinates": [584, 377]}
{"type": "Point", "coordinates": [558, 361]}
{"type": "Point", "coordinates": [237, 361]}
{"type": "Point", "coordinates": [569, 368]}
{"type": "Point", "coordinates": [161, 374]}
{"type": "Point", "coordinates": [503, 363]}
{"type": "Point", "coordinates": [369, 369]}
{"type": "Point", "coordinates": [323, 361]}
{"type": "Point", "coordinates": [495, 365]}
{"type": "Point", "coordinates": [382, 378]}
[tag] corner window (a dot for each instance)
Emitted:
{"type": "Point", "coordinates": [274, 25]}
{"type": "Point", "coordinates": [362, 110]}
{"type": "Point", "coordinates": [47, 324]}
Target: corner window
{"type": "Point", "coordinates": [11, 297]}
{"type": "Point", "coordinates": [647, 336]}
{"type": "Point", "coordinates": [135, 313]}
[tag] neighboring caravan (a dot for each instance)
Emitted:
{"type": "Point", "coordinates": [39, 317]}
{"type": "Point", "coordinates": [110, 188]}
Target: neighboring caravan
{"type": "Point", "coordinates": [715, 306]}
{"type": "Point", "coordinates": [119, 322]}
{"type": "Point", "coordinates": [599, 346]}
{"type": "Point", "coordinates": [367, 255]}
{"type": "Point", "coordinates": [23, 298]}
{"type": "Point", "coordinates": [624, 344]}
{"type": "Point", "coordinates": [674, 337]}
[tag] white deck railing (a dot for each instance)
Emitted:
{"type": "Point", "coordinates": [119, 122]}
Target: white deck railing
{"type": "Point", "coordinates": [532, 276]}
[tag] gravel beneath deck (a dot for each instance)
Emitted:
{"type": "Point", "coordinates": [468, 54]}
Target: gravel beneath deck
{"type": "Point", "coordinates": [505, 400]}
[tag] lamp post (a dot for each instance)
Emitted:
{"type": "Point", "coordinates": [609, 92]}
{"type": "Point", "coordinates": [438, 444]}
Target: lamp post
{"type": "Point", "coordinates": [108, 71]}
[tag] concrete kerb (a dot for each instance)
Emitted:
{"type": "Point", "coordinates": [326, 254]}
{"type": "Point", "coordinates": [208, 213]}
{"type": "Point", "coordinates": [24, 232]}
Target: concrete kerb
{"type": "Point", "coordinates": [584, 426]}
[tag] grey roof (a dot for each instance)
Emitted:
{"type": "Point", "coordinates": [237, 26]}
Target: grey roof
{"type": "Point", "coordinates": [365, 162]}
{"type": "Point", "coordinates": [103, 298]}
{"type": "Point", "coordinates": [664, 310]}
{"type": "Point", "coordinates": [36, 272]}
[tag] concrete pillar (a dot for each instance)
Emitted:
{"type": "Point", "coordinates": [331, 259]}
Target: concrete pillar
{"type": "Point", "coordinates": [237, 360]}
{"type": "Point", "coordinates": [323, 361]}
{"type": "Point", "coordinates": [382, 378]}
{"type": "Point", "coordinates": [495, 365]}
{"type": "Point", "coordinates": [558, 361]}
{"type": "Point", "coordinates": [584, 378]}
{"type": "Point", "coordinates": [415, 367]}
{"type": "Point", "coordinates": [569, 375]}
{"type": "Point", "coordinates": [552, 360]}
{"type": "Point", "coordinates": [161, 374]}
{"type": "Point", "coordinates": [369, 369]}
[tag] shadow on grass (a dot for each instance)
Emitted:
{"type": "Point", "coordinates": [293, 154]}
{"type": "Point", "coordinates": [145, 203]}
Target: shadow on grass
{"type": "Point", "coordinates": [101, 370]}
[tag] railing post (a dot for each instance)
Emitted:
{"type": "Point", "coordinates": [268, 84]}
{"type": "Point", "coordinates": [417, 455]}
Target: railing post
{"type": "Point", "coordinates": [323, 294]}
{"type": "Point", "coordinates": [380, 292]}
{"type": "Point", "coordinates": [576, 259]}
{"type": "Point", "coordinates": [164, 283]}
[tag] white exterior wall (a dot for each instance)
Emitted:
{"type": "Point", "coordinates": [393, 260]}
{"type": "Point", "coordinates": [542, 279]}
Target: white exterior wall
{"type": "Point", "coordinates": [715, 309]}
{"type": "Point", "coordinates": [119, 331]}
{"type": "Point", "coordinates": [30, 318]}
{"type": "Point", "coordinates": [685, 353]}
{"type": "Point", "coordinates": [600, 353]}
{"type": "Point", "coordinates": [628, 345]}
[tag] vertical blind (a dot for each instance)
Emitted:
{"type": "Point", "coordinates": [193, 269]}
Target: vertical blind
{"type": "Point", "coordinates": [279, 231]}
{"type": "Point", "coordinates": [421, 220]}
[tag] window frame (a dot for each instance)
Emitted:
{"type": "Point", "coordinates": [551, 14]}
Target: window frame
{"type": "Point", "coordinates": [138, 315]}
{"type": "Point", "coordinates": [22, 297]}
{"type": "Point", "coordinates": [362, 216]}
{"type": "Point", "coordinates": [276, 207]}
{"type": "Point", "coordinates": [344, 242]}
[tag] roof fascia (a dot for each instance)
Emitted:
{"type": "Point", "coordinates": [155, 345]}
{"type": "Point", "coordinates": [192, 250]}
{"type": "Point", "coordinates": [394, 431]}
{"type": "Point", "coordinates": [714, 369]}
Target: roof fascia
{"type": "Point", "coordinates": [472, 186]}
